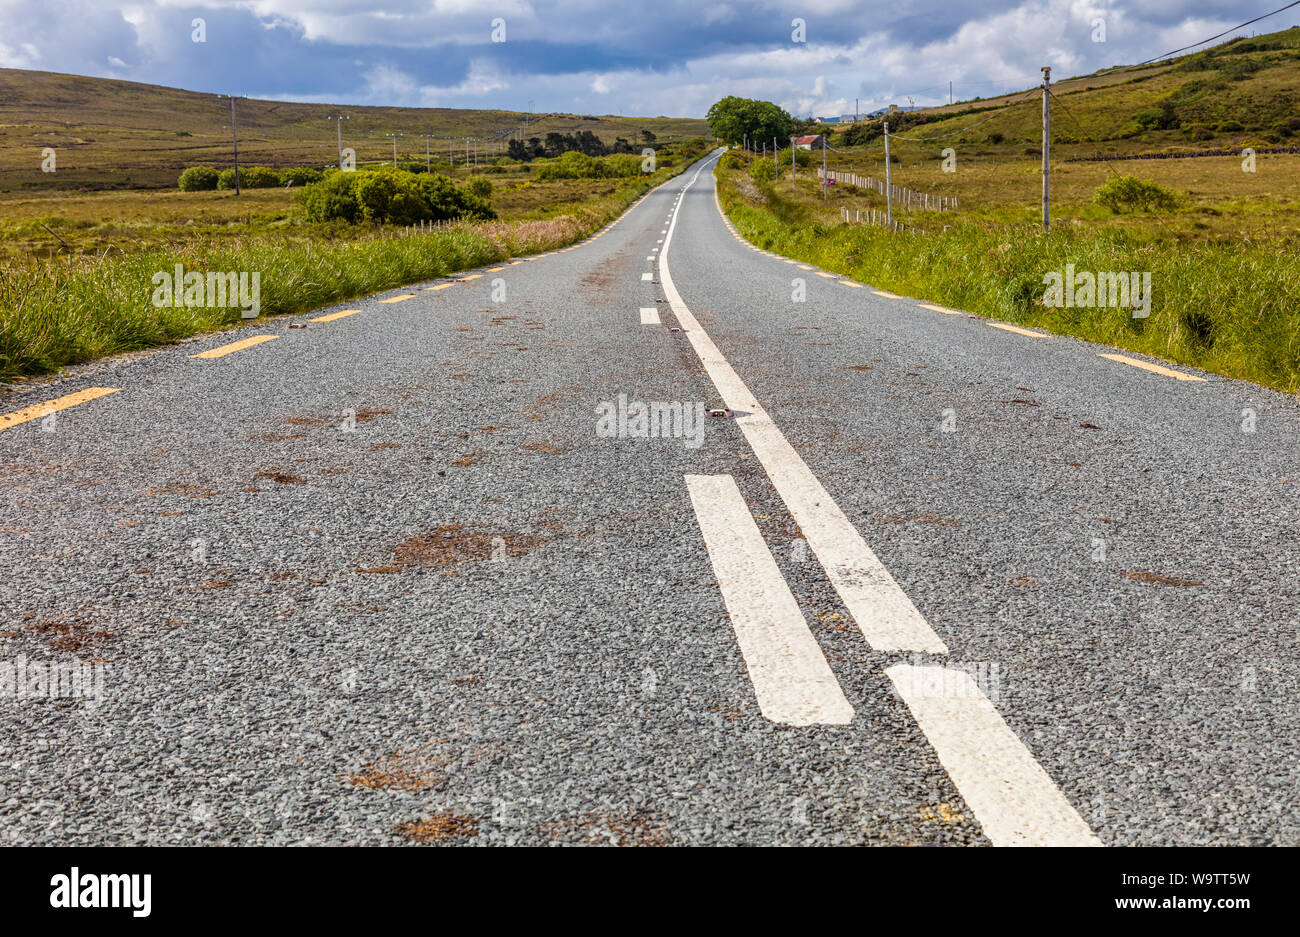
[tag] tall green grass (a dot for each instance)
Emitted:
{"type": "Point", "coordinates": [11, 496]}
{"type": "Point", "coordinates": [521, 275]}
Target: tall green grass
{"type": "Point", "coordinates": [74, 309]}
{"type": "Point", "coordinates": [1233, 309]}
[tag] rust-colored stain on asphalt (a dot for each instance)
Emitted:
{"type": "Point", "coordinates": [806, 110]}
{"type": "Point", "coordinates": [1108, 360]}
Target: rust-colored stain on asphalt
{"type": "Point", "coordinates": [439, 827]}
{"type": "Point", "coordinates": [282, 478]}
{"type": "Point", "coordinates": [397, 773]}
{"type": "Point", "coordinates": [630, 828]}
{"type": "Point", "coordinates": [71, 635]}
{"type": "Point", "coordinates": [546, 447]}
{"type": "Point", "coordinates": [453, 545]}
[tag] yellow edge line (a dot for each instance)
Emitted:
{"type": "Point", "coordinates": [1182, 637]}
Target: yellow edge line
{"type": "Point", "coordinates": [440, 286]}
{"type": "Point", "coordinates": [240, 345]}
{"type": "Point", "coordinates": [886, 295]}
{"type": "Point", "coordinates": [850, 283]}
{"type": "Point", "coordinates": [953, 312]}
{"type": "Point", "coordinates": [398, 299]}
{"type": "Point", "coordinates": [1155, 368]}
{"type": "Point", "coordinates": [472, 276]}
{"type": "Point", "coordinates": [829, 276]}
{"type": "Point", "coordinates": [336, 315]}
{"type": "Point", "coordinates": [494, 269]}
{"type": "Point", "coordinates": [40, 410]}
{"type": "Point", "coordinates": [1016, 329]}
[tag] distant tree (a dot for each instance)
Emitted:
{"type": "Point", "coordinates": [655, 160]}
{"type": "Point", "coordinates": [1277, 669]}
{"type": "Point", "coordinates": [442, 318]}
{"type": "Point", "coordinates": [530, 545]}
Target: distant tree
{"type": "Point", "coordinates": [647, 137]}
{"type": "Point", "coordinates": [732, 119]}
{"type": "Point", "coordinates": [588, 143]}
{"type": "Point", "coordinates": [556, 145]}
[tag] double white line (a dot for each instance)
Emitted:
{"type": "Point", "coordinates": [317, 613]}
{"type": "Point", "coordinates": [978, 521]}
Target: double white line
{"type": "Point", "coordinates": [1013, 798]}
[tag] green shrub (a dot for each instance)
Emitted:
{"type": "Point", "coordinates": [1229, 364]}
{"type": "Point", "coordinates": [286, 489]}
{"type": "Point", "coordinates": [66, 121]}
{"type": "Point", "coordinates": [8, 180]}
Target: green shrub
{"type": "Point", "coordinates": [1133, 193]}
{"type": "Point", "coordinates": [198, 179]}
{"type": "Point", "coordinates": [575, 165]}
{"type": "Point", "coordinates": [572, 165]}
{"type": "Point", "coordinates": [300, 176]}
{"type": "Point", "coordinates": [1160, 117]}
{"type": "Point", "coordinates": [259, 177]}
{"type": "Point", "coordinates": [251, 177]}
{"type": "Point", "coordinates": [479, 187]}
{"type": "Point", "coordinates": [1229, 126]}
{"type": "Point", "coordinates": [390, 196]}
{"type": "Point", "coordinates": [762, 170]}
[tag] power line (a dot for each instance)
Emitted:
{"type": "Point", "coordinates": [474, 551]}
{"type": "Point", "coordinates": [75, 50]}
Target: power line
{"type": "Point", "coordinates": [1002, 109]}
{"type": "Point", "coordinates": [1159, 58]}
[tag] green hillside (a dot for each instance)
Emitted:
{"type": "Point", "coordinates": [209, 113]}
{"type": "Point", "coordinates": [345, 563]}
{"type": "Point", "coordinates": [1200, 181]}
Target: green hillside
{"type": "Point", "coordinates": [122, 134]}
{"type": "Point", "coordinates": [1243, 92]}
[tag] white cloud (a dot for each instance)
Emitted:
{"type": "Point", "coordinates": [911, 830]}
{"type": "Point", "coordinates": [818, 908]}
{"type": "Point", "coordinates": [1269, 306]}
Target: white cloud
{"type": "Point", "coordinates": [25, 55]}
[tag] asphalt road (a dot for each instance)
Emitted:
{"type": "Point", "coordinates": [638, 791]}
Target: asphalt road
{"type": "Point", "coordinates": [411, 574]}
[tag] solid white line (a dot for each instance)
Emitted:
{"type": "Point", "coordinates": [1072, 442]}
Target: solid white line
{"type": "Point", "coordinates": [887, 617]}
{"type": "Point", "coordinates": [792, 680]}
{"type": "Point", "coordinates": [649, 315]}
{"type": "Point", "coordinates": [1014, 800]}
{"type": "Point", "coordinates": [651, 258]}
{"type": "Point", "coordinates": [647, 276]}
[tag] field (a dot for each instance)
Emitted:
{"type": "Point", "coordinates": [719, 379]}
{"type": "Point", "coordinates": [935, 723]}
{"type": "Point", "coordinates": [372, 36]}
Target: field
{"type": "Point", "coordinates": [1217, 200]}
{"type": "Point", "coordinates": [49, 224]}
{"type": "Point", "coordinates": [62, 305]}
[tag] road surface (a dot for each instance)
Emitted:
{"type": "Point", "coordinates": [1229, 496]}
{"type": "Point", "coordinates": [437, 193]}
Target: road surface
{"type": "Point", "coordinates": [409, 570]}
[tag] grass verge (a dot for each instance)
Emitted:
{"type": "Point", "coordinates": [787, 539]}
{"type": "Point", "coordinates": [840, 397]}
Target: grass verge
{"type": "Point", "coordinates": [1230, 308]}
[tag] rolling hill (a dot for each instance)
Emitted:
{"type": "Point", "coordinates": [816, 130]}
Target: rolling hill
{"type": "Point", "coordinates": [121, 134]}
{"type": "Point", "coordinates": [1242, 92]}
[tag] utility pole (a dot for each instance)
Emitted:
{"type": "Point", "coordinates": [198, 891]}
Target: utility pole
{"type": "Point", "coordinates": [826, 182]}
{"type": "Point", "coordinates": [950, 94]}
{"type": "Point", "coordinates": [776, 159]}
{"type": "Point", "coordinates": [234, 132]}
{"type": "Point", "coordinates": [338, 119]}
{"type": "Point", "coordinates": [1047, 148]}
{"type": "Point", "coordinates": [794, 166]}
{"type": "Point", "coordinates": [889, 183]}
{"type": "Point", "coordinates": [394, 136]}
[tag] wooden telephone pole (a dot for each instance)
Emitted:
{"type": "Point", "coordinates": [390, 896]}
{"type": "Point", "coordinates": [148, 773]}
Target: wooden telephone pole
{"type": "Point", "coordinates": [1047, 148]}
{"type": "Point", "coordinates": [889, 187]}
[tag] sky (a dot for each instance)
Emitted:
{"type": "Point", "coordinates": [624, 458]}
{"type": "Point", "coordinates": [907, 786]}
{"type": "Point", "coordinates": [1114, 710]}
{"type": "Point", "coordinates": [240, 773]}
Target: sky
{"type": "Point", "coordinates": [649, 58]}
